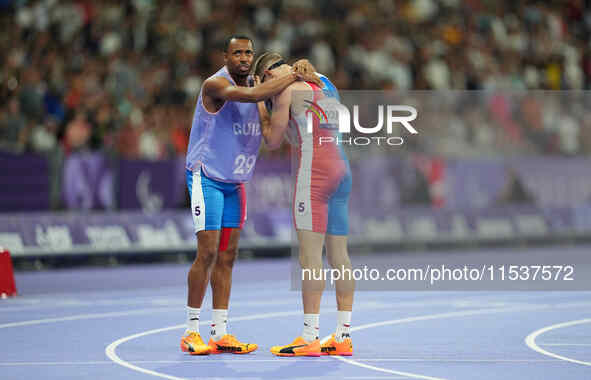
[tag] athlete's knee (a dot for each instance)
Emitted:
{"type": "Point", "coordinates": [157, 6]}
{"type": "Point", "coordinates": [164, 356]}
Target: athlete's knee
{"type": "Point", "coordinates": [206, 256]}
{"type": "Point", "coordinates": [227, 257]}
{"type": "Point", "coordinates": [338, 259]}
{"type": "Point", "coordinates": [206, 248]}
{"type": "Point", "coordinates": [310, 261]}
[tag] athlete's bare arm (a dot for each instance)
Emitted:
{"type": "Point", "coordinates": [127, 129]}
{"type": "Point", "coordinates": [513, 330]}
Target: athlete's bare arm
{"type": "Point", "coordinates": [282, 105]}
{"type": "Point", "coordinates": [265, 119]}
{"type": "Point", "coordinates": [217, 90]}
{"type": "Point", "coordinates": [264, 115]}
{"type": "Point", "coordinates": [220, 88]}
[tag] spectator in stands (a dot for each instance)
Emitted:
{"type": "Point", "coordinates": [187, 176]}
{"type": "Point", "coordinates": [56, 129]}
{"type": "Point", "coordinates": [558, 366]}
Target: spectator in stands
{"type": "Point", "coordinates": [115, 59]}
{"type": "Point", "coordinates": [77, 133]}
{"type": "Point", "coordinates": [13, 128]}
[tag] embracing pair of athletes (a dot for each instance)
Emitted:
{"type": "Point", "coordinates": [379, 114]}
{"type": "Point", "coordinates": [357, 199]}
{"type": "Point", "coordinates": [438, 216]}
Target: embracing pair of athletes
{"type": "Point", "coordinates": [229, 122]}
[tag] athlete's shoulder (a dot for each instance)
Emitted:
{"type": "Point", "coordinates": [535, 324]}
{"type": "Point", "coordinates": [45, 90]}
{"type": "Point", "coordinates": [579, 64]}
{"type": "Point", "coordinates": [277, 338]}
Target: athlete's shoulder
{"type": "Point", "coordinates": [221, 73]}
{"type": "Point", "coordinates": [221, 76]}
{"type": "Point", "coordinates": [218, 81]}
{"type": "Point", "coordinates": [300, 86]}
{"type": "Point", "coordinates": [298, 92]}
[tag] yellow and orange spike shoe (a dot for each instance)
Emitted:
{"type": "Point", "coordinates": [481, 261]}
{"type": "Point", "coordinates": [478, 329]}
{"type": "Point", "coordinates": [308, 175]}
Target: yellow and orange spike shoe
{"type": "Point", "coordinates": [229, 344]}
{"type": "Point", "coordinates": [299, 347]}
{"type": "Point", "coordinates": [332, 347]}
{"type": "Point", "coordinates": [192, 343]}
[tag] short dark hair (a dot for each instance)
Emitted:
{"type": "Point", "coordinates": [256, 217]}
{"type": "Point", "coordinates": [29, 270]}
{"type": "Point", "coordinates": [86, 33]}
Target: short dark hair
{"type": "Point", "coordinates": [236, 37]}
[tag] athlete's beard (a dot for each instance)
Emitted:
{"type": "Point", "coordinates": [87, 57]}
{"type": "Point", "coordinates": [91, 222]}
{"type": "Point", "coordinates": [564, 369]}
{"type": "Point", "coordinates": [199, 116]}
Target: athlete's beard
{"type": "Point", "coordinates": [240, 78]}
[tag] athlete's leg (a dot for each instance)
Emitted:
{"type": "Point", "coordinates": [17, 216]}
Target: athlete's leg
{"type": "Point", "coordinates": [338, 258]}
{"type": "Point", "coordinates": [310, 254]}
{"type": "Point", "coordinates": [221, 275]}
{"type": "Point", "coordinates": [336, 251]}
{"type": "Point", "coordinates": [207, 202]}
{"type": "Point", "coordinates": [221, 281]}
{"type": "Point", "coordinates": [233, 219]}
{"type": "Point", "coordinates": [197, 280]}
{"type": "Point", "coordinates": [309, 212]}
{"type": "Point", "coordinates": [336, 243]}
{"type": "Point", "coordinates": [313, 283]}
{"type": "Point", "coordinates": [207, 242]}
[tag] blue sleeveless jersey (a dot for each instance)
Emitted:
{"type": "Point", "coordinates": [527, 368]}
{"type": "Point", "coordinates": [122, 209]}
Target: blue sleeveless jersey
{"type": "Point", "coordinates": [225, 144]}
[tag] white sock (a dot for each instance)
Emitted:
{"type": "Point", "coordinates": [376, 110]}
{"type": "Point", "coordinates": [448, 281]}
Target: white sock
{"type": "Point", "coordinates": [193, 319]}
{"type": "Point", "coordinates": [311, 327]}
{"type": "Point", "coordinates": [343, 326]}
{"type": "Point", "coordinates": [219, 321]}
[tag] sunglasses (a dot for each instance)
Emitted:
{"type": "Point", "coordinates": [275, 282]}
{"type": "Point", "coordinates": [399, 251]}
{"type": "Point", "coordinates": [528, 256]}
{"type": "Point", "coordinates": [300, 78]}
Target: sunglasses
{"type": "Point", "coordinates": [272, 67]}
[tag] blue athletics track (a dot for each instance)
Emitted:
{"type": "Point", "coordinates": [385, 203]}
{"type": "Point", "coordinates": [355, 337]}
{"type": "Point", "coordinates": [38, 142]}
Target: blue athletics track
{"type": "Point", "coordinates": [125, 323]}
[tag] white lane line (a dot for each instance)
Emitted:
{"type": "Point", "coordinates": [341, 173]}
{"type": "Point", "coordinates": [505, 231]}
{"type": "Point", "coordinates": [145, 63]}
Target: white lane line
{"type": "Point", "coordinates": [29, 364]}
{"type": "Point", "coordinates": [415, 319]}
{"type": "Point", "coordinates": [385, 370]}
{"type": "Point", "coordinates": [37, 304]}
{"type": "Point", "coordinates": [146, 301]}
{"type": "Point", "coordinates": [454, 360]}
{"type": "Point", "coordinates": [111, 353]}
{"type": "Point", "coordinates": [73, 302]}
{"type": "Point", "coordinates": [132, 312]}
{"type": "Point", "coordinates": [564, 344]}
{"type": "Point", "coordinates": [85, 316]}
{"type": "Point", "coordinates": [530, 340]}
{"type": "Point", "coordinates": [372, 377]}
{"type": "Point", "coordinates": [110, 350]}
{"type": "Point", "coordinates": [311, 378]}
{"type": "Point", "coordinates": [173, 302]}
{"type": "Point", "coordinates": [249, 361]}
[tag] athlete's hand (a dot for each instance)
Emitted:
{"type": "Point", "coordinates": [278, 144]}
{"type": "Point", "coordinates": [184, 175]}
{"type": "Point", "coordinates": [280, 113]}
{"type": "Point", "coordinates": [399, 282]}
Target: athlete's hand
{"type": "Point", "coordinates": [268, 106]}
{"type": "Point", "coordinates": [304, 70]}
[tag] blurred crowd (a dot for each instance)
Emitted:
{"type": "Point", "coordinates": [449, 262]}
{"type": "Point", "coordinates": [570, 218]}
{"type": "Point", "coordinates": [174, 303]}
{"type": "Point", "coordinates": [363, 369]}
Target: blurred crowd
{"type": "Point", "coordinates": [123, 76]}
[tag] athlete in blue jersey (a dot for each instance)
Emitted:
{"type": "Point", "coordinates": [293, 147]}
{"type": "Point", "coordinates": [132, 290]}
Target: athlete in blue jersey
{"type": "Point", "coordinates": [308, 114]}
{"type": "Point", "coordinates": [223, 147]}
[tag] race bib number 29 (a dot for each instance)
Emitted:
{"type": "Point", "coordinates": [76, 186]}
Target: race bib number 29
{"type": "Point", "coordinates": [243, 164]}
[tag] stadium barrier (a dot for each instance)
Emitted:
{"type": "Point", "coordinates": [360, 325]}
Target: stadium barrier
{"type": "Point", "coordinates": [124, 207]}
{"type": "Point", "coordinates": [58, 234]}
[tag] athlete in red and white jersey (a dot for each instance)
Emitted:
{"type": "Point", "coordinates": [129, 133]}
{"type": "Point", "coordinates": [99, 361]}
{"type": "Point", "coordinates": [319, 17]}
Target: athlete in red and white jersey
{"type": "Point", "coordinates": [308, 115]}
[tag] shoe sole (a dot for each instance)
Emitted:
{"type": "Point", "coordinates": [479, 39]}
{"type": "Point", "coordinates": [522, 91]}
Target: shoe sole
{"type": "Point", "coordinates": [199, 353]}
{"type": "Point", "coordinates": [337, 353]}
{"type": "Point", "coordinates": [215, 351]}
{"type": "Point", "coordinates": [290, 355]}
{"type": "Point", "coordinates": [231, 352]}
